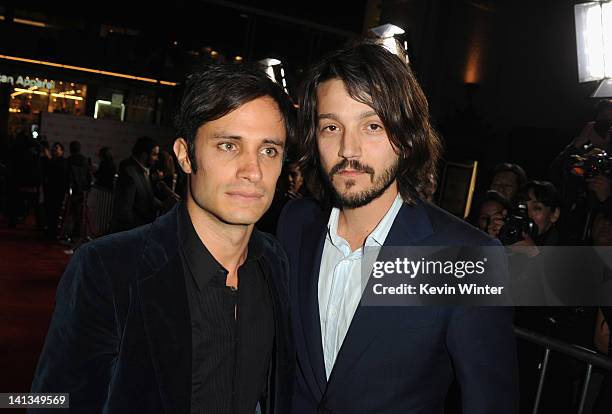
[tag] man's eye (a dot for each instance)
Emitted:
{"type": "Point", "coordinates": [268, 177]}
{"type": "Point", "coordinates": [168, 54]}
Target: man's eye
{"type": "Point", "coordinates": [330, 128]}
{"type": "Point", "coordinates": [226, 146]}
{"type": "Point", "coordinates": [270, 152]}
{"type": "Point", "coordinates": [375, 127]}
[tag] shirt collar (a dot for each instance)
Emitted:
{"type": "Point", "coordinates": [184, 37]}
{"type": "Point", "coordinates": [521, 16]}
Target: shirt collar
{"type": "Point", "coordinates": [145, 169]}
{"type": "Point", "coordinates": [377, 236]}
{"type": "Point", "coordinates": [201, 263]}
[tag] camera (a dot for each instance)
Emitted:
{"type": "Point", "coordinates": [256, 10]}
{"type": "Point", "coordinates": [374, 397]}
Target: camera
{"type": "Point", "coordinates": [515, 223]}
{"type": "Point", "coordinates": [591, 164]}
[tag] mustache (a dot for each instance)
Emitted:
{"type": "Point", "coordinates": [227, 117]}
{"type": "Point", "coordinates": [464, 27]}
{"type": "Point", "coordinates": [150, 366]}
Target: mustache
{"type": "Point", "coordinates": [352, 164]}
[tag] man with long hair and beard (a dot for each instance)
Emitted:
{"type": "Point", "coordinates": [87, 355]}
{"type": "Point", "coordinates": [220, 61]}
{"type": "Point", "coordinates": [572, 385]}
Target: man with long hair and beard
{"type": "Point", "coordinates": [370, 154]}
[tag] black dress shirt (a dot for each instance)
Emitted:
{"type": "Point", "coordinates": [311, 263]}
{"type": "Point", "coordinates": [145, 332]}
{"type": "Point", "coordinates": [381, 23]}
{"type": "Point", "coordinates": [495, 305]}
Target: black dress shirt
{"type": "Point", "coordinates": [232, 329]}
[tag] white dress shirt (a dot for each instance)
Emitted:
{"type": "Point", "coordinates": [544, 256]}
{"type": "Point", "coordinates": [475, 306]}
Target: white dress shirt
{"type": "Point", "coordinates": [340, 286]}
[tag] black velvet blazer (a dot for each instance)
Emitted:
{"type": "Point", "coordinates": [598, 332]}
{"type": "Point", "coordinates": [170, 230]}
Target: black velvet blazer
{"type": "Point", "coordinates": [120, 335]}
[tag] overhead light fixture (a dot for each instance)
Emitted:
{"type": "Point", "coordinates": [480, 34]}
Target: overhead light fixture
{"type": "Point", "coordinates": [19, 91]}
{"type": "Point", "coordinates": [82, 69]}
{"type": "Point", "coordinates": [274, 70]}
{"type": "Point", "coordinates": [29, 22]}
{"type": "Point", "coordinates": [604, 90]}
{"type": "Point", "coordinates": [100, 103]}
{"type": "Point", "coordinates": [386, 34]}
{"type": "Point", "coordinates": [63, 95]}
{"type": "Point", "coordinates": [594, 45]}
{"type": "Point", "coordinates": [593, 40]}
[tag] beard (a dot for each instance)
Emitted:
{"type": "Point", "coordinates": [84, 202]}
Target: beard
{"type": "Point", "coordinates": [380, 183]}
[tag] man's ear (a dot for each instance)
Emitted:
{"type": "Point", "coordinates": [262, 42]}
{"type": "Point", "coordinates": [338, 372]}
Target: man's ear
{"type": "Point", "coordinates": [181, 150]}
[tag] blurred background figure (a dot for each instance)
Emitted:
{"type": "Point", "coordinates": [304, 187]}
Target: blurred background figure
{"type": "Point", "coordinates": [105, 174]}
{"type": "Point", "coordinates": [601, 234]}
{"type": "Point", "coordinates": [135, 202]}
{"type": "Point", "coordinates": [492, 205]}
{"type": "Point", "coordinates": [164, 179]}
{"type": "Point", "coordinates": [582, 172]}
{"type": "Point", "coordinates": [290, 186]}
{"type": "Point", "coordinates": [55, 188]}
{"type": "Point", "coordinates": [507, 178]}
{"type": "Point", "coordinates": [79, 182]}
{"type": "Point", "coordinates": [25, 177]}
{"type": "Point", "coordinates": [295, 181]}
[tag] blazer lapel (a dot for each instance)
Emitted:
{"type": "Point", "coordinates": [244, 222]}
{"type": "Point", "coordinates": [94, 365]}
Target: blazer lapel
{"type": "Point", "coordinates": [410, 226]}
{"type": "Point", "coordinates": [166, 316]}
{"type": "Point", "coordinates": [313, 239]}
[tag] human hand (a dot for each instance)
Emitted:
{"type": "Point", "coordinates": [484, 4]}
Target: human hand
{"type": "Point", "coordinates": [600, 186]}
{"type": "Point", "coordinates": [526, 246]}
{"type": "Point", "coordinates": [496, 223]}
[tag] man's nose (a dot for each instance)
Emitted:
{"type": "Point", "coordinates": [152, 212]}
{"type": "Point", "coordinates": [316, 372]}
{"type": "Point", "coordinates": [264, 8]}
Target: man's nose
{"type": "Point", "coordinates": [350, 146]}
{"type": "Point", "coordinates": [250, 167]}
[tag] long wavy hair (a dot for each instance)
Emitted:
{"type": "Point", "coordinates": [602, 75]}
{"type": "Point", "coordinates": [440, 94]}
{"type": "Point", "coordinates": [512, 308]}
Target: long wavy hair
{"type": "Point", "coordinates": [376, 77]}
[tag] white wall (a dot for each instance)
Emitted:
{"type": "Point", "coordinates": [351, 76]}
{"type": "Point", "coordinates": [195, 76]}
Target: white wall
{"type": "Point", "coordinates": [97, 133]}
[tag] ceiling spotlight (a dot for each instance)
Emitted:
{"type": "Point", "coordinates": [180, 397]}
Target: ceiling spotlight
{"type": "Point", "coordinates": [386, 35]}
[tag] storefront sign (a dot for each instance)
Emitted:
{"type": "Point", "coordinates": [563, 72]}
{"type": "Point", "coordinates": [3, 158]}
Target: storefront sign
{"type": "Point", "coordinates": [27, 82]}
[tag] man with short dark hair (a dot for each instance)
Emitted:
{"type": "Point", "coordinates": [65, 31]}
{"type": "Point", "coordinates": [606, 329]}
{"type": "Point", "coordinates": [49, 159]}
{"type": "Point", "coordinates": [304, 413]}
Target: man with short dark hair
{"type": "Point", "coordinates": [135, 203]}
{"type": "Point", "coordinates": [368, 141]}
{"type": "Point", "coordinates": [507, 179]}
{"type": "Point", "coordinates": [190, 313]}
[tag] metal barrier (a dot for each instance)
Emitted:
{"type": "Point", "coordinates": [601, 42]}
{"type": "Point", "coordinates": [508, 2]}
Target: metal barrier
{"type": "Point", "coordinates": [96, 215]}
{"type": "Point", "coordinates": [588, 356]}
{"type": "Point", "coordinates": [99, 211]}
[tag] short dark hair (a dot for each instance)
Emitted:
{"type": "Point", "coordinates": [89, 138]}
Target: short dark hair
{"type": "Point", "coordinates": [489, 195]}
{"type": "Point", "coordinates": [144, 145]}
{"type": "Point", "coordinates": [376, 77]}
{"type": "Point", "coordinates": [544, 191]}
{"type": "Point", "coordinates": [219, 89]}
{"type": "Point", "coordinates": [492, 195]}
{"type": "Point", "coordinates": [517, 170]}
{"type": "Point", "coordinates": [105, 153]}
{"type": "Point", "coordinates": [75, 147]}
{"type": "Point", "coordinates": [58, 144]}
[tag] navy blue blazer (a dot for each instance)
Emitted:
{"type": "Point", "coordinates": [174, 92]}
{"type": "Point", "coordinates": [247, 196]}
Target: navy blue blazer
{"type": "Point", "coordinates": [397, 359]}
{"type": "Point", "coordinates": [120, 336]}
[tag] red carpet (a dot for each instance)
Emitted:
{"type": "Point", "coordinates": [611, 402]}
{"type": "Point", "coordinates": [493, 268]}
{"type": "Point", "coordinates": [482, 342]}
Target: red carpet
{"type": "Point", "coordinates": [30, 269]}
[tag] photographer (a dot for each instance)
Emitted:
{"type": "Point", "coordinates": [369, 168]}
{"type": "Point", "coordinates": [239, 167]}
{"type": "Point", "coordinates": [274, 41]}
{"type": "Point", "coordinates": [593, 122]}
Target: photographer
{"type": "Point", "coordinates": [492, 205]}
{"type": "Point", "coordinates": [543, 204]}
{"type": "Point", "coordinates": [507, 179]}
{"type": "Point", "coordinates": [582, 171]}
{"type": "Point", "coordinates": [531, 223]}
{"type": "Point", "coordinates": [525, 230]}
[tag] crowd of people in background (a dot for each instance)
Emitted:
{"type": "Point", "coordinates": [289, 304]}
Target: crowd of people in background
{"type": "Point", "coordinates": [573, 206]}
{"type": "Point", "coordinates": [42, 180]}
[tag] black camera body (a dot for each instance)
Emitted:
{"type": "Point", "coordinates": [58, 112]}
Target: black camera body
{"type": "Point", "coordinates": [515, 223]}
{"type": "Point", "coordinates": [590, 165]}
